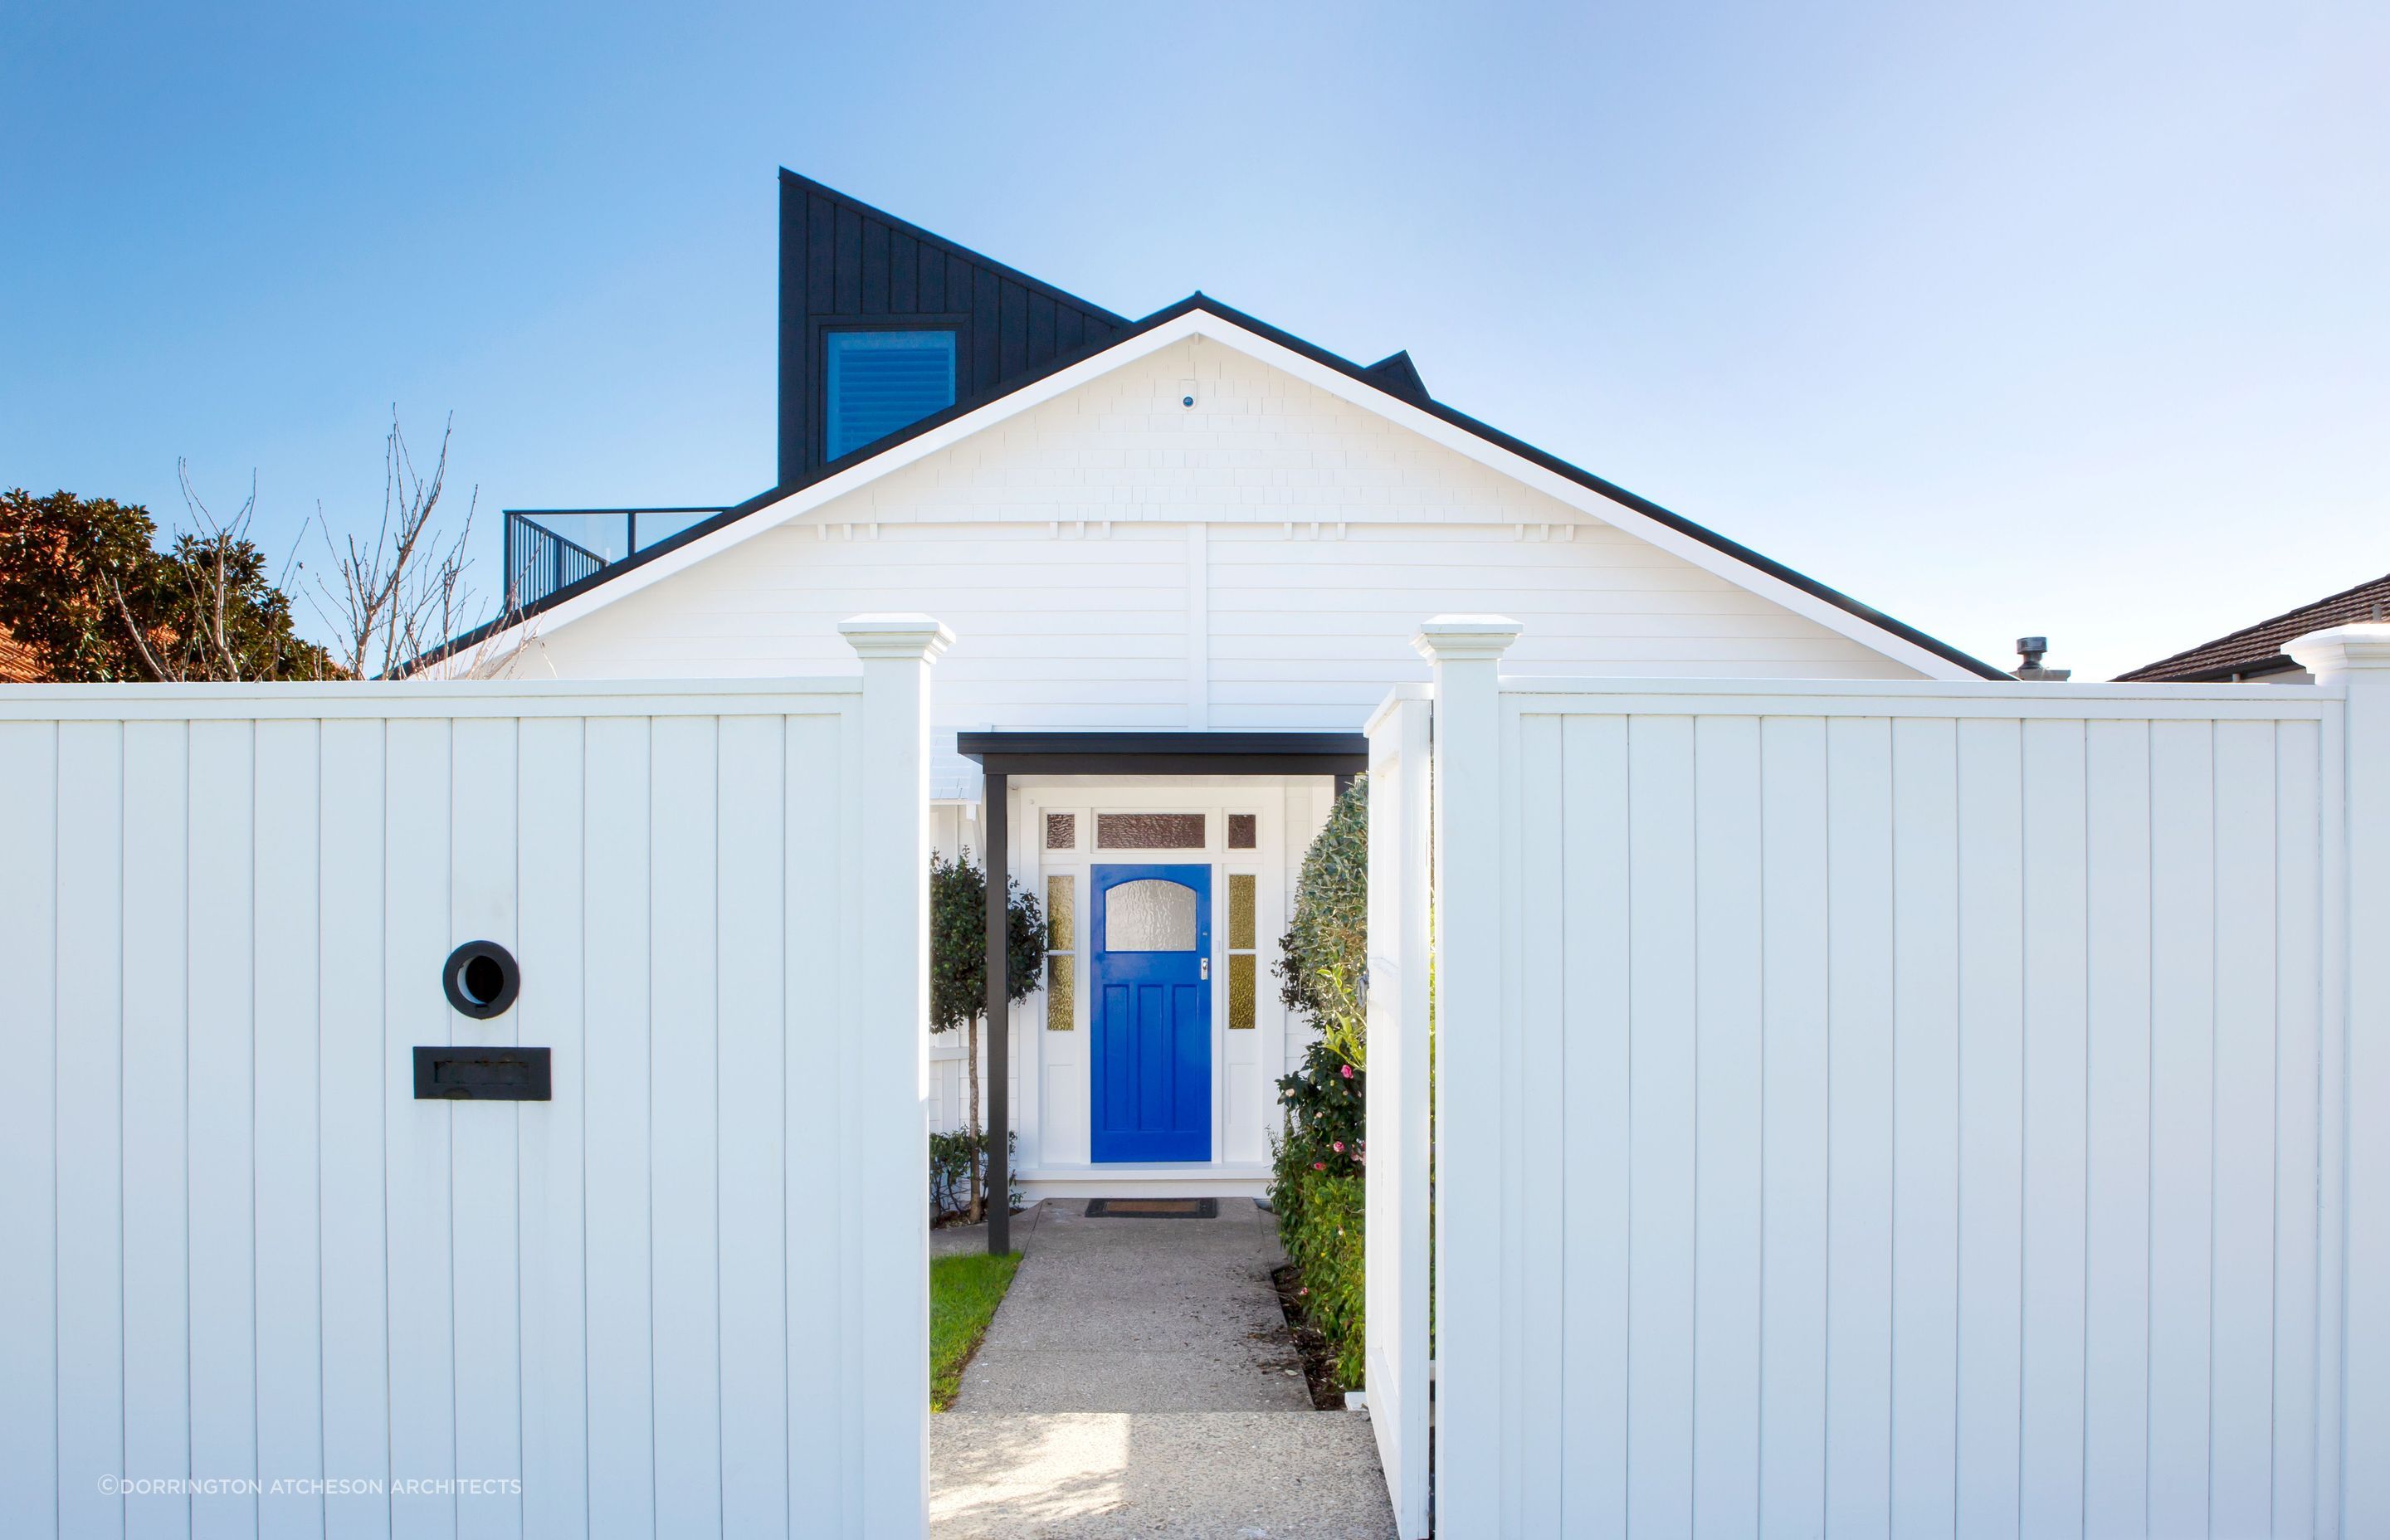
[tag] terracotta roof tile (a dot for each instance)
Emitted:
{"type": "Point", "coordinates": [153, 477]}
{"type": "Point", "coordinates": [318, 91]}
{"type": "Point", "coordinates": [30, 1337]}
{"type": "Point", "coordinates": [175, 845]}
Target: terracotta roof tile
{"type": "Point", "coordinates": [18, 664]}
{"type": "Point", "coordinates": [2258, 648]}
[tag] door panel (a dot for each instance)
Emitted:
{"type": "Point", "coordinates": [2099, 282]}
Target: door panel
{"type": "Point", "coordinates": [1151, 1077]}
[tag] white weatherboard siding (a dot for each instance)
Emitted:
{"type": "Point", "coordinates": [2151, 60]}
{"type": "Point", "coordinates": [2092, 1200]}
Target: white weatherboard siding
{"type": "Point", "coordinates": [1892, 1109]}
{"type": "Point", "coordinates": [690, 1292]}
{"type": "Point", "coordinates": [1113, 560]}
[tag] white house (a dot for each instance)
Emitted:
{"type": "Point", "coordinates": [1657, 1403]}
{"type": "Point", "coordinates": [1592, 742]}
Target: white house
{"type": "Point", "coordinates": [1178, 555]}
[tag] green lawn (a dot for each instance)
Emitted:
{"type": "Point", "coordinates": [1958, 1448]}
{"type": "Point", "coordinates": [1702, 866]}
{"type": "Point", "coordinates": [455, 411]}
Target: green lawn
{"type": "Point", "coordinates": [964, 1292]}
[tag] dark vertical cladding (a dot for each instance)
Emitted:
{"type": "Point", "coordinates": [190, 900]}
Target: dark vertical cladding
{"type": "Point", "coordinates": [844, 261]}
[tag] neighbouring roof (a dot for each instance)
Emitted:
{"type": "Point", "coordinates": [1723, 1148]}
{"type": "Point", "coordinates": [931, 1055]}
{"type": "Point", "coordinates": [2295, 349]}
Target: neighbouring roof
{"type": "Point", "coordinates": [18, 664]}
{"type": "Point", "coordinates": [2257, 649]}
{"type": "Point", "coordinates": [1045, 355]}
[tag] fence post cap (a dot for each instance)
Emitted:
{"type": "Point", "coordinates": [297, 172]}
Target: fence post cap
{"type": "Point", "coordinates": [2365, 645]}
{"type": "Point", "coordinates": [1446, 638]}
{"type": "Point", "coordinates": [900, 636]}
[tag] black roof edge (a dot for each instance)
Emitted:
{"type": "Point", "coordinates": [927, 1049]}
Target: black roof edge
{"type": "Point", "coordinates": [1201, 301]}
{"type": "Point", "coordinates": [1117, 753]}
{"type": "Point", "coordinates": [948, 243]}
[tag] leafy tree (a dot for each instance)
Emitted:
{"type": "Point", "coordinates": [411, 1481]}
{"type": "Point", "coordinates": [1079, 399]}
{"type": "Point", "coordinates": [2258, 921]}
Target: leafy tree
{"type": "Point", "coordinates": [1324, 957]}
{"type": "Point", "coordinates": [83, 584]}
{"type": "Point", "coordinates": [958, 963]}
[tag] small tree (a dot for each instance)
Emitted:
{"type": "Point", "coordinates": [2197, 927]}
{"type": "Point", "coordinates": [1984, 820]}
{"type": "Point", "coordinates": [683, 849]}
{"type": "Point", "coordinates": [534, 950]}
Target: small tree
{"type": "Point", "coordinates": [958, 965]}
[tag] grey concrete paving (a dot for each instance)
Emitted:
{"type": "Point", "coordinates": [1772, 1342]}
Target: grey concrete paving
{"type": "Point", "coordinates": [1138, 1379]}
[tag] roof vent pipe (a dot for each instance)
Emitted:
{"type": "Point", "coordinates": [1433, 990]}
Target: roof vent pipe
{"type": "Point", "coordinates": [2031, 649]}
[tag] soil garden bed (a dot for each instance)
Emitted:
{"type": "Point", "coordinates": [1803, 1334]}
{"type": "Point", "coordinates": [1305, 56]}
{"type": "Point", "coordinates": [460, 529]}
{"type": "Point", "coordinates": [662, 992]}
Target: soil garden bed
{"type": "Point", "coordinates": [1318, 1365]}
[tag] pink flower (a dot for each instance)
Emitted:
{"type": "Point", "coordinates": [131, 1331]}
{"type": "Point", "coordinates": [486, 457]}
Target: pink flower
{"type": "Point", "coordinates": [1319, 1165]}
{"type": "Point", "coordinates": [1348, 1071]}
{"type": "Point", "coordinates": [1337, 1146]}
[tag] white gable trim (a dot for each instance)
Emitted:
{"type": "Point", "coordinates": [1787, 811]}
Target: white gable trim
{"type": "Point", "coordinates": [1203, 322]}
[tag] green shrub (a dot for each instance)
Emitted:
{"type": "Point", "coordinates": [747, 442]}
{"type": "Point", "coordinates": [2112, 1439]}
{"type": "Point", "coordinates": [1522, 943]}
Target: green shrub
{"type": "Point", "coordinates": [1316, 1183]}
{"type": "Point", "coordinates": [1323, 1240]}
{"type": "Point", "coordinates": [958, 1169]}
{"type": "Point", "coordinates": [1323, 958]}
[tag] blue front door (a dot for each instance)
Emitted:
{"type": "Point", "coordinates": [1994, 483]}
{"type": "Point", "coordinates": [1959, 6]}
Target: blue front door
{"type": "Point", "coordinates": [1152, 1013]}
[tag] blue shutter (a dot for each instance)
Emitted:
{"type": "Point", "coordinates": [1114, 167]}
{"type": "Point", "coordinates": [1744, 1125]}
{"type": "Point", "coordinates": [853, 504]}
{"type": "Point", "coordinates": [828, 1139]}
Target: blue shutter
{"type": "Point", "coordinates": [881, 381]}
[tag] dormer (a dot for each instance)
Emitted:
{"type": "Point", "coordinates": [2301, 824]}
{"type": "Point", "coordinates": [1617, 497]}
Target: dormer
{"type": "Point", "coordinates": [884, 325]}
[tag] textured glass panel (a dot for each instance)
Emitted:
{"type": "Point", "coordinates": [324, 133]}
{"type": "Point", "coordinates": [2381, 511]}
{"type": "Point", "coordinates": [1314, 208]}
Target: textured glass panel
{"type": "Point", "coordinates": [1061, 830]}
{"type": "Point", "coordinates": [1150, 915]}
{"type": "Point", "coordinates": [1241, 973]}
{"type": "Point", "coordinates": [1244, 830]}
{"type": "Point", "coordinates": [1241, 928]}
{"type": "Point", "coordinates": [1062, 998]}
{"type": "Point", "coordinates": [1062, 897]}
{"type": "Point", "coordinates": [1149, 831]}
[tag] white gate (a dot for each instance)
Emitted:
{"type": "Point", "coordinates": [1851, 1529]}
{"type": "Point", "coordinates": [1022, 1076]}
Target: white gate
{"type": "Point", "coordinates": [689, 1293]}
{"type": "Point", "coordinates": [1892, 1109]}
{"type": "Point", "coordinates": [1395, 1232]}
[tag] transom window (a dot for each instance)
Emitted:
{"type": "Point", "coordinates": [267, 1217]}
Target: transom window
{"type": "Point", "coordinates": [879, 381]}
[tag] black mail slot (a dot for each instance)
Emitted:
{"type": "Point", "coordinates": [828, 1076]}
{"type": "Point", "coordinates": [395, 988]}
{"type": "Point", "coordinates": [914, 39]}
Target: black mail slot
{"type": "Point", "coordinates": [481, 1074]}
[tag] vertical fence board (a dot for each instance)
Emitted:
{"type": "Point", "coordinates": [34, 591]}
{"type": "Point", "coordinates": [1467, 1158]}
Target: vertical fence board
{"type": "Point", "coordinates": [422, 1274]}
{"type": "Point", "coordinates": [1539, 1079]}
{"type": "Point", "coordinates": [2055, 1047]}
{"type": "Point", "coordinates": [1991, 1122]}
{"type": "Point", "coordinates": [289, 1253]}
{"type": "Point", "coordinates": [357, 1095]}
{"type": "Point", "coordinates": [2297, 1171]}
{"type": "Point", "coordinates": [30, 1468]}
{"type": "Point", "coordinates": [1595, 1318]}
{"type": "Point", "coordinates": [157, 1103]}
{"type": "Point", "coordinates": [2182, 1098]}
{"type": "Point", "coordinates": [749, 837]}
{"type": "Point", "coordinates": [484, 1180]}
{"type": "Point", "coordinates": [1792, 1118]}
{"type": "Point", "coordinates": [621, 1382]}
{"type": "Point", "coordinates": [1661, 1074]}
{"type": "Point", "coordinates": [682, 1062]}
{"type": "Point", "coordinates": [90, 1342]}
{"type": "Point", "coordinates": [223, 1120]}
{"type": "Point", "coordinates": [2241, 1435]}
{"type": "Point", "coordinates": [2116, 1257]}
{"type": "Point", "coordinates": [1924, 1125]}
{"type": "Point", "coordinates": [1858, 1258]}
{"type": "Point", "coordinates": [820, 1226]}
{"type": "Point", "coordinates": [555, 1388]}
{"type": "Point", "coordinates": [1727, 1172]}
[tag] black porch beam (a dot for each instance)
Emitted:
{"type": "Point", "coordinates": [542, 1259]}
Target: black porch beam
{"type": "Point", "coordinates": [1040, 753]}
{"type": "Point", "coordinates": [999, 1022]}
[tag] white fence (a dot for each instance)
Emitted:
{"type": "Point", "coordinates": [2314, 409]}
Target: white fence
{"type": "Point", "coordinates": [1872, 1110]}
{"type": "Point", "coordinates": [688, 1294]}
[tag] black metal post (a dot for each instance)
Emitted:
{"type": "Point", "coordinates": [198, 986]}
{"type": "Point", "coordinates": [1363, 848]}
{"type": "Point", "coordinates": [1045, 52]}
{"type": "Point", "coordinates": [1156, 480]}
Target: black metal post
{"type": "Point", "coordinates": [999, 1022]}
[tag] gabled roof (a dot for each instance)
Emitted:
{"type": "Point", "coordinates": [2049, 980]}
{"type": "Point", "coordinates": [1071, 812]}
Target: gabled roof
{"type": "Point", "coordinates": [1200, 315]}
{"type": "Point", "coordinates": [1029, 341]}
{"type": "Point", "coordinates": [2257, 649]}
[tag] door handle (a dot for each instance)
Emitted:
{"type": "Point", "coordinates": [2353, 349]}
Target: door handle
{"type": "Point", "coordinates": [1206, 971]}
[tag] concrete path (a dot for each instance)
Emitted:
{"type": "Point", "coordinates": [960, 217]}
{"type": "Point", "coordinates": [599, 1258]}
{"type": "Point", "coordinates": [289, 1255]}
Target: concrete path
{"type": "Point", "coordinates": [1137, 1380]}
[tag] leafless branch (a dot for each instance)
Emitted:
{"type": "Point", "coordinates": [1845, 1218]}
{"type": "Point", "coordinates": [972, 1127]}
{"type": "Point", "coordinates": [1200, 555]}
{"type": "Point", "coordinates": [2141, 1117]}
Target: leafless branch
{"type": "Point", "coordinates": [399, 597]}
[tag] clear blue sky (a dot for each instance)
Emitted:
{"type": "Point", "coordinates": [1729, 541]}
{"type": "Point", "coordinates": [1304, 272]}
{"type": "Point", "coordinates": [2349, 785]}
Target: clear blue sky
{"type": "Point", "coordinates": [2060, 319]}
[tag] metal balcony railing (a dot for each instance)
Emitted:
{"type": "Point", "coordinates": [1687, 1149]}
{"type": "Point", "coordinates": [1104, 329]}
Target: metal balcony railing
{"type": "Point", "coordinates": [553, 549]}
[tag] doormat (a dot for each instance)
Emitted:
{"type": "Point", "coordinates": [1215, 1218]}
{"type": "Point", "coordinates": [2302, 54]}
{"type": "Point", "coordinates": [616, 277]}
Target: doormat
{"type": "Point", "coordinates": [1153, 1208]}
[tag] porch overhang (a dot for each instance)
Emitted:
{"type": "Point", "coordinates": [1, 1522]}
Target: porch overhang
{"type": "Point", "coordinates": [1002, 755]}
{"type": "Point", "coordinates": [1151, 754]}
